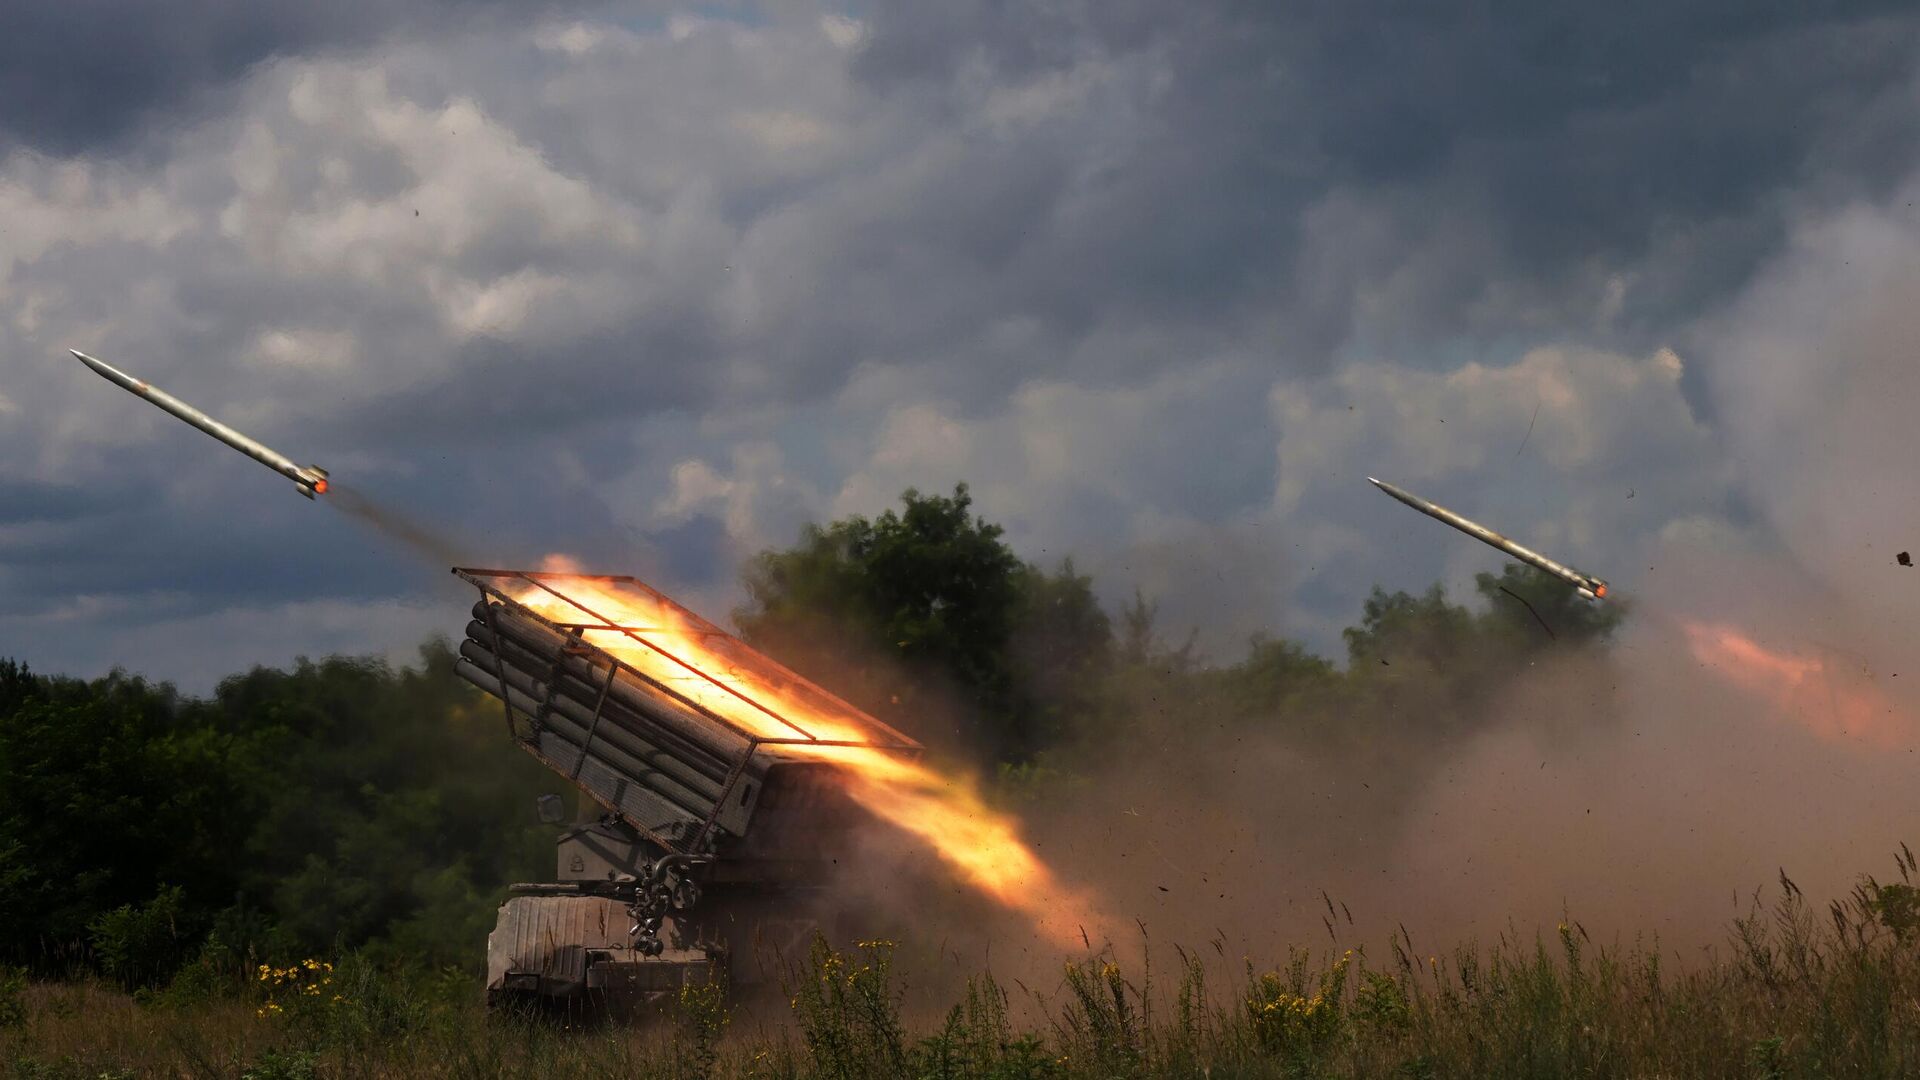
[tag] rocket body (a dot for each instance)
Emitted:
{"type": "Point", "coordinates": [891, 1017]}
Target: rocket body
{"type": "Point", "coordinates": [308, 479]}
{"type": "Point", "coordinates": [1588, 586]}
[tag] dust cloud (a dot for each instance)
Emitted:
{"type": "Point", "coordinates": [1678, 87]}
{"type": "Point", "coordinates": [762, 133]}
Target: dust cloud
{"type": "Point", "coordinates": [1641, 789]}
{"type": "Point", "coordinates": [1627, 789]}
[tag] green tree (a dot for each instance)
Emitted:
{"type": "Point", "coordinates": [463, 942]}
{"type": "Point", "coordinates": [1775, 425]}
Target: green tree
{"type": "Point", "coordinates": [1061, 653]}
{"type": "Point", "coordinates": [1526, 610]}
{"type": "Point", "coordinates": [1424, 666]}
{"type": "Point", "coordinates": [1278, 675]}
{"type": "Point", "coordinates": [390, 798]}
{"type": "Point", "coordinates": [1403, 629]}
{"type": "Point", "coordinates": [1420, 670]}
{"type": "Point", "coordinates": [109, 792]}
{"type": "Point", "coordinates": [17, 684]}
{"type": "Point", "coordinates": [925, 603]}
{"type": "Point", "coordinates": [1558, 613]}
{"type": "Point", "coordinates": [1140, 645]}
{"type": "Point", "coordinates": [897, 613]}
{"type": "Point", "coordinates": [340, 803]}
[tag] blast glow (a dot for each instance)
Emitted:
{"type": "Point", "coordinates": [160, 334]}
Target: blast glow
{"type": "Point", "coordinates": [948, 812]}
{"type": "Point", "coordinates": [1830, 702]}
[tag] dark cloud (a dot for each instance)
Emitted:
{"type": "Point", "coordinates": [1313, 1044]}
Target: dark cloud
{"type": "Point", "coordinates": [1562, 139]}
{"type": "Point", "coordinates": [80, 73]}
{"type": "Point", "coordinates": [650, 290]}
{"type": "Point", "coordinates": [516, 393]}
{"type": "Point", "coordinates": [25, 501]}
{"type": "Point", "coordinates": [696, 551]}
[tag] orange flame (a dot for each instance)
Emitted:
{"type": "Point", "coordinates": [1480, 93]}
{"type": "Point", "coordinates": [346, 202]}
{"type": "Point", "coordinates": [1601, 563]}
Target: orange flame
{"type": "Point", "coordinates": [1805, 688]}
{"type": "Point", "coordinates": [948, 812]}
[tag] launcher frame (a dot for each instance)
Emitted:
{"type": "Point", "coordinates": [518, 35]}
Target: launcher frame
{"type": "Point", "coordinates": [490, 582]}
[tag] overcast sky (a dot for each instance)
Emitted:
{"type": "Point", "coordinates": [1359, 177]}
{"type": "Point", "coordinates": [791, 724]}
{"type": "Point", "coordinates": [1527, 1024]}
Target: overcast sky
{"type": "Point", "coordinates": [653, 286]}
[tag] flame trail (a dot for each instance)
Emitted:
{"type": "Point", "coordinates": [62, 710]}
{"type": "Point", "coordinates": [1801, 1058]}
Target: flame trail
{"type": "Point", "coordinates": [982, 844]}
{"type": "Point", "coordinates": [1806, 689]}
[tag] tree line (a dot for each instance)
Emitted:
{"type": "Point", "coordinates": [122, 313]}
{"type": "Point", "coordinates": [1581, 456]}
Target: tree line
{"type": "Point", "coordinates": [351, 804]}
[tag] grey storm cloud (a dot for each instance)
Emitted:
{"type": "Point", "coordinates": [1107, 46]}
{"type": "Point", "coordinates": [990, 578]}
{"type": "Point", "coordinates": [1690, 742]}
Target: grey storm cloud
{"type": "Point", "coordinates": [654, 286]}
{"type": "Point", "coordinates": [76, 75]}
{"type": "Point", "coordinates": [1093, 188]}
{"type": "Point", "coordinates": [1540, 143]}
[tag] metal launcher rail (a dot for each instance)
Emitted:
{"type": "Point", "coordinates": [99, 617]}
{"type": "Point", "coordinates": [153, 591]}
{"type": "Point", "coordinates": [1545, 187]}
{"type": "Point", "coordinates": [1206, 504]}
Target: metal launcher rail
{"type": "Point", "coordinates": [682, 735]}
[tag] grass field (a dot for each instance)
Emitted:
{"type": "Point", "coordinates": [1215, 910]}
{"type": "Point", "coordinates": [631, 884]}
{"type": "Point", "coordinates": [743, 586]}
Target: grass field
{"type": "Point", "coordinates": [1799, 989]}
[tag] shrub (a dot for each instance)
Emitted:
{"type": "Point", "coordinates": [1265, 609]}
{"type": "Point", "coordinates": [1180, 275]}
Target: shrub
{"type": "Point", "coordinates": [848, 1010]}
{"type": "Point", "coordinates": [700, 1011]}
{"type": "Point", "coordinates": [141, 946]}
{"type": "Point", "coordinates": [302, 993]}
{"type": "Point", "coordinates": [1102, 1019]}
{"type": "Point", "coordinates": [283, 1065]}
{"type": "Point", "coordinates": [1380, 1001]}
{"type": "Point", "coordinates": [1898, 906]}
{"type": "Point", "coordinates": [13, 988]}
{"type": "Point", "coordinates": [375, 1007]}
{"type": "Point", "coordinates": [64, 1068]}
{"type": "Point", "coordinates": [201, 981]}
{"type": "Point", "coordinates": [1293, 1019]}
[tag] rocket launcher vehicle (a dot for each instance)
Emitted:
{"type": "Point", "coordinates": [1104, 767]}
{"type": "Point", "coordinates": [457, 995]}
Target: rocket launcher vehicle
{"type": "Point", "coordinates": [715, 766]}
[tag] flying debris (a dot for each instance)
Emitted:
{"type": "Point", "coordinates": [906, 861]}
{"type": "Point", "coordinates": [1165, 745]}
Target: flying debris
{"type": "Point", "coordinates": [1588, 586]}
{"type": "Point", "coordinates": [309, 479]}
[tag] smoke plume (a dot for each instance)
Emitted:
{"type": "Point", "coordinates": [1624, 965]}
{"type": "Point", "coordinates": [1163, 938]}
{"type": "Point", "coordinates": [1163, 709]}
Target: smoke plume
{"type": "Point", "coordinates": [417, 538]}
{"type": "Point", "coordinates": [1644, 789]}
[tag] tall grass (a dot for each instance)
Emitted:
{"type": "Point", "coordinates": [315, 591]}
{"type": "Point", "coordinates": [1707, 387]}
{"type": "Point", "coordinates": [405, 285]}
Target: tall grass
{"type": "Point", "coordinates": [1798, 990]}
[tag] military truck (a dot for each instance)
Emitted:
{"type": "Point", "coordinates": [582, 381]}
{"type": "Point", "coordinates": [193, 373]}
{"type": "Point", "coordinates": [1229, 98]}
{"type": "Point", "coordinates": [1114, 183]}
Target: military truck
{"type": "Point", "coordinates": [723, 809]}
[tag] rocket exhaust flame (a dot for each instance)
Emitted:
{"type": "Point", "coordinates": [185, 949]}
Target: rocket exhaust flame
{"type": "Point", "coordinates": [1807, 689]}
{"type": "Point", "coordinates": [696, 662]}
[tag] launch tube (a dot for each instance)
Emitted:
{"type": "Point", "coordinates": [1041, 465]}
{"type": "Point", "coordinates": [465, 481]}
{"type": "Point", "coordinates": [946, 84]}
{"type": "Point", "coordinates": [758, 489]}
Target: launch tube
{"type": "Point", "coordinates": [560, 744]}
{"type": "Point", "coordinates": [649, 701]}
{"type": "Point", "coordinates": [698, 756]}
{"type": "Point", "coordinates": [693, 788]}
